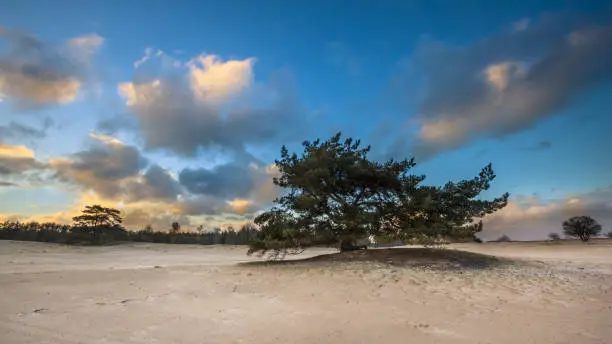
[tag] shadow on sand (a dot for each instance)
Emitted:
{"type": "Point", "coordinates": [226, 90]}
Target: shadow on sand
{"type": "Point", "coordinates": [427, 258]}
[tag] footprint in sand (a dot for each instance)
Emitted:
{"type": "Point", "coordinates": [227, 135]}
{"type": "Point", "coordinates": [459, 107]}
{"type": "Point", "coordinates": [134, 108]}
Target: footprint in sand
{"type": "Point", "coordinates": [426, 328]}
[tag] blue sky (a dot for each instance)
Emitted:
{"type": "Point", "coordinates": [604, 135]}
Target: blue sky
{"type": "Point", "coordinates": [523, 85]}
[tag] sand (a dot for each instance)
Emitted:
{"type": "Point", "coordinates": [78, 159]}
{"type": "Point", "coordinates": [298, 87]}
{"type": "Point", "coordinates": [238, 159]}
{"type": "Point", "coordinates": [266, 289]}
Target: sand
{"type": "Point", "coordinates": [156, 293]}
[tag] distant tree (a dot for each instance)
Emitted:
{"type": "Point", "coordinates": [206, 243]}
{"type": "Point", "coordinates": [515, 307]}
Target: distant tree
{"type": "Point", "coordinates": [337, 195]}
{"type": "Point", "coordinates": [609, 234]}
{"type": "Point", "coordinates": [582, 227]}
{"type": "Point", "coordinates": [554, 236]}
{"type": "Point", "coordinates": [148, 228]}
{"type": "Point", "coordinates": [176, 227]}
{"type": "Point", "coordinates": [98, 216]}
{"type": "Point", "coordinates": [504, 238]}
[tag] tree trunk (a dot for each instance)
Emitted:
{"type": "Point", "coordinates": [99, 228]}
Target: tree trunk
{"type": "Point", "coordinates": [347, 245]}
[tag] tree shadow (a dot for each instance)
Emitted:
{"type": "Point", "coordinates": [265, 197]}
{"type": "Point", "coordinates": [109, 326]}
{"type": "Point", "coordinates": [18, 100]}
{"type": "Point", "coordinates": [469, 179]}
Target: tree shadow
{"type": "Point", "coordinates": [427, 258]}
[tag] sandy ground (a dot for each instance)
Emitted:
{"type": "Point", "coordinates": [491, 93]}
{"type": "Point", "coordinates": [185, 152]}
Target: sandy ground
{"type": "Point", "coordinates": [154, 293]}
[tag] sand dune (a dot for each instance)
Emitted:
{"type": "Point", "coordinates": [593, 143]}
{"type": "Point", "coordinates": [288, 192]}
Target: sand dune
{"type": "Point", "coordinates": [153, 293]}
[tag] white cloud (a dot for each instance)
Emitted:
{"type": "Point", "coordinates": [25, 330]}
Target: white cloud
{"type": "Point", "coordinates": [107, 139]}
{"type": "Point", "coordinates": [215, 81]}
{"type": "Point", "coordinates": [149, 54]}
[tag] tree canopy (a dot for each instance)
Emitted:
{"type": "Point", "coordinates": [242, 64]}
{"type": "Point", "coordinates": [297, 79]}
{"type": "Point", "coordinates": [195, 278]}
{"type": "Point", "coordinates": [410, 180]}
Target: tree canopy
{"type": "Point", "coordinates": [582, 227]}
{"type": "Point", "coordinates": [336, 194]}
{"type": "Point", "coordinates": [98, 216]}
{"type": "Point", "coordinates": [176, 227]}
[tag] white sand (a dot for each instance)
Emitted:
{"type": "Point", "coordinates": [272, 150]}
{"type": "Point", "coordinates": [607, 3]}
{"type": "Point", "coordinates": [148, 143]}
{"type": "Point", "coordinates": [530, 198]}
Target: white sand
{"type": "Point", "coordinates": [59, 294]}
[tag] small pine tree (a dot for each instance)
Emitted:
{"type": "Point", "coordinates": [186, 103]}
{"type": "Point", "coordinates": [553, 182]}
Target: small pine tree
{"type": "Point", "coordinates": [96, 215]}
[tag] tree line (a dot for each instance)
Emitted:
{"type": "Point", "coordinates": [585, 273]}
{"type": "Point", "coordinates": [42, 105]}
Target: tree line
{"type": "Point", "coordinates": [99, 225]}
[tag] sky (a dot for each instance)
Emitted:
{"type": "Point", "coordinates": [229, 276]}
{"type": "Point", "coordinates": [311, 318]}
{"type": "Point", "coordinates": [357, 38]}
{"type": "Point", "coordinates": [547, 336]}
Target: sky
{"type": "Point", "coordinates": [176, 111]}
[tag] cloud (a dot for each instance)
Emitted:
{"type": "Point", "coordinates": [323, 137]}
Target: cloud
{"type": "Point", "coordinates": [16, 151]}
{"type": "Point", "coordinates": [149, 54]}
{"type": "Point", "coordinates": [228, 180]}
{"type": "Point", "coordinates": [92, 40]}
{"type": "Point", "coordinates": [15, 130]}
{"type": "Point", "coordinates": [202, 205]}
{"type": "Point", "coordinates": [106, 139]}
{"type": "Point", "coordinates": [530, 218]}
{"type": "Point", "coordinates": [7, 184]}
{"type": "Point", "coordinates": [231, 187]}
{"type": "Point", "coordinates": [156, 183]}
{"type": "Point", "coordinates": [507, 82]}
{"type": "Point", "coordinates": [116, 171]}
{"type": "Point", "coordinates": [35, 73]}
{"type": "Point", "coordinates": [101, 168]}
{"type": "Point", "coordinates": [212, 104]}
{"type": "Point", "coordinates": [255, 192]}
{"type": "Point", "coordinates": [15, 160]}
{"type": "Point", "coordinates": [160, 221]}
{"type": "Point", "coordinates": [118, 174]}
{"type": "Point", "coordinates": [215, 81]}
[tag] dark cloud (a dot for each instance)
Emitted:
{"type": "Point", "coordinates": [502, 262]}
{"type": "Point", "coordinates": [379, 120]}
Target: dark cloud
{"type": "Point", "coordinates": [228, 189]}
{"type": "Point", "coordinates": [17, 165]}
{"type": "Point", "coordinates": [15, 130]}
{"type": "Point", "coordinates": [228, 181]}
{"type": "Point", "coordinates": [119, 172]}
{"type": "Point", "coordinates": [156, 183]}
{"type": "Point", "coordinates": [7, 184]}
{"type": "Point", "coordinates": [34, 72]}
{"type": "Point", "coordinates": [203, 205]}
{"type": "Point", "coordinates": [115, 170]}
{"type": "Point", "coordinates": [174, 114]}
{"type": "Point", "coordinates": [110, 162]}
{"type": "Point", "coordinates": [102, 168]}
{"type": "Point", "coordinates": [509, 81]}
